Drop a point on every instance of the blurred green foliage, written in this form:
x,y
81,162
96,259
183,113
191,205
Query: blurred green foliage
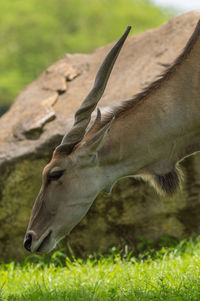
x,y
36,33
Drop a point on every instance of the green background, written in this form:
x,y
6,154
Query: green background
x,y
36,33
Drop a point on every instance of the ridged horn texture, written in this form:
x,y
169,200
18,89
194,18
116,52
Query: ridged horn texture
x,y
97,119
83,115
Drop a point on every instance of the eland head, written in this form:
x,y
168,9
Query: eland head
x,y
70,182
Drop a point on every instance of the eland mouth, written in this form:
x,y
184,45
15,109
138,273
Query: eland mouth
x,y
40,245
44,242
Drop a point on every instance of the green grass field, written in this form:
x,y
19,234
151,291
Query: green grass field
x,y
171,273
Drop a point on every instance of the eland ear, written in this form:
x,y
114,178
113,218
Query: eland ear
x,y
88,151
95,143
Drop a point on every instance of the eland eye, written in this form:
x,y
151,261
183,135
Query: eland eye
x,y
55,175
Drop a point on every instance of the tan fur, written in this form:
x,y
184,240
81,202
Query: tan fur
x,y
148,137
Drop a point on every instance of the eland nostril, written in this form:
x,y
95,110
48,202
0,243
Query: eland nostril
x,y
28,242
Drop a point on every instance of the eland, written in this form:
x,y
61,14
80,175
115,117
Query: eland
x,y
147,136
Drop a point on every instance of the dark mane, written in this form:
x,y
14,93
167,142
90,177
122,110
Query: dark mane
x,y
129,104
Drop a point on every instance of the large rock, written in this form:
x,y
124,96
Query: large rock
x,y
44,111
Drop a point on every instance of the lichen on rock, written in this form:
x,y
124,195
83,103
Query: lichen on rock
x,y
21,186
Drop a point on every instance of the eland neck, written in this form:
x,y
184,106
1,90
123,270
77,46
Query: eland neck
x,y
153,136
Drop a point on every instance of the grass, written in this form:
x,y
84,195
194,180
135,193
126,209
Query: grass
x,y
172,273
